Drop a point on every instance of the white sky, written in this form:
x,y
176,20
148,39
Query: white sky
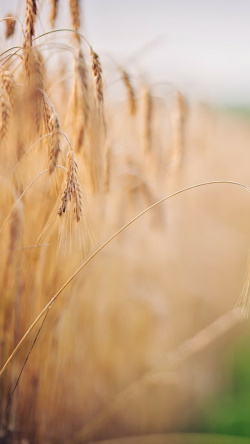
x,y
204,46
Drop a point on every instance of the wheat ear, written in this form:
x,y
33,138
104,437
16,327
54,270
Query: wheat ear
x,y
5,113
31,11
75,16
130,91
53,12
179,123
8,84
147,119
72,190
10,26
97,73
54,145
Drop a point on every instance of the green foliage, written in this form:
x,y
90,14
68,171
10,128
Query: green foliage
x,y
228,412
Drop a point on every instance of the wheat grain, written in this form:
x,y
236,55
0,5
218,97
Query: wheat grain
x,y
10,26
130,91
31,11
97,73
33,68
79,109
54,144
5,113
8,84
72,190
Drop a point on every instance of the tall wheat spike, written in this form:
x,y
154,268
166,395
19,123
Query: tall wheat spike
x,y
75,16
8,84
53,11
179,117
148,110
97,73
54,143
5,113
72,190
130,91
10,26
31,11
78,113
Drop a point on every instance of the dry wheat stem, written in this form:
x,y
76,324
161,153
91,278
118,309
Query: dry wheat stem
x,y
24,192
25,362
13,54
202,339
63,30
53,299
36,143
19,48
27,247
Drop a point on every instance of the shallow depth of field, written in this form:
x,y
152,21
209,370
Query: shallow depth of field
x,y
150,338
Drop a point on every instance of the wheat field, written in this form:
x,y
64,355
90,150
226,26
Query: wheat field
x,y
124,239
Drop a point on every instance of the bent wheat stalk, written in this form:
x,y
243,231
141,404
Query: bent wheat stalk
x,y
36,143
24,192
93,255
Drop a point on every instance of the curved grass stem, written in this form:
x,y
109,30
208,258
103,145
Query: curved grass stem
x,y
96,252
24,192
64,30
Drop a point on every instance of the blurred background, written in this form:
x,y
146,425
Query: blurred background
x,y
202,46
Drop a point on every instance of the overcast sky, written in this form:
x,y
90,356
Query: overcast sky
x,y
202,46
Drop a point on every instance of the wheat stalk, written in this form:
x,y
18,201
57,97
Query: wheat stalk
x,y
97,251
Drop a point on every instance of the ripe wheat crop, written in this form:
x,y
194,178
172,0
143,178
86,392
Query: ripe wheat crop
x,y
123,241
